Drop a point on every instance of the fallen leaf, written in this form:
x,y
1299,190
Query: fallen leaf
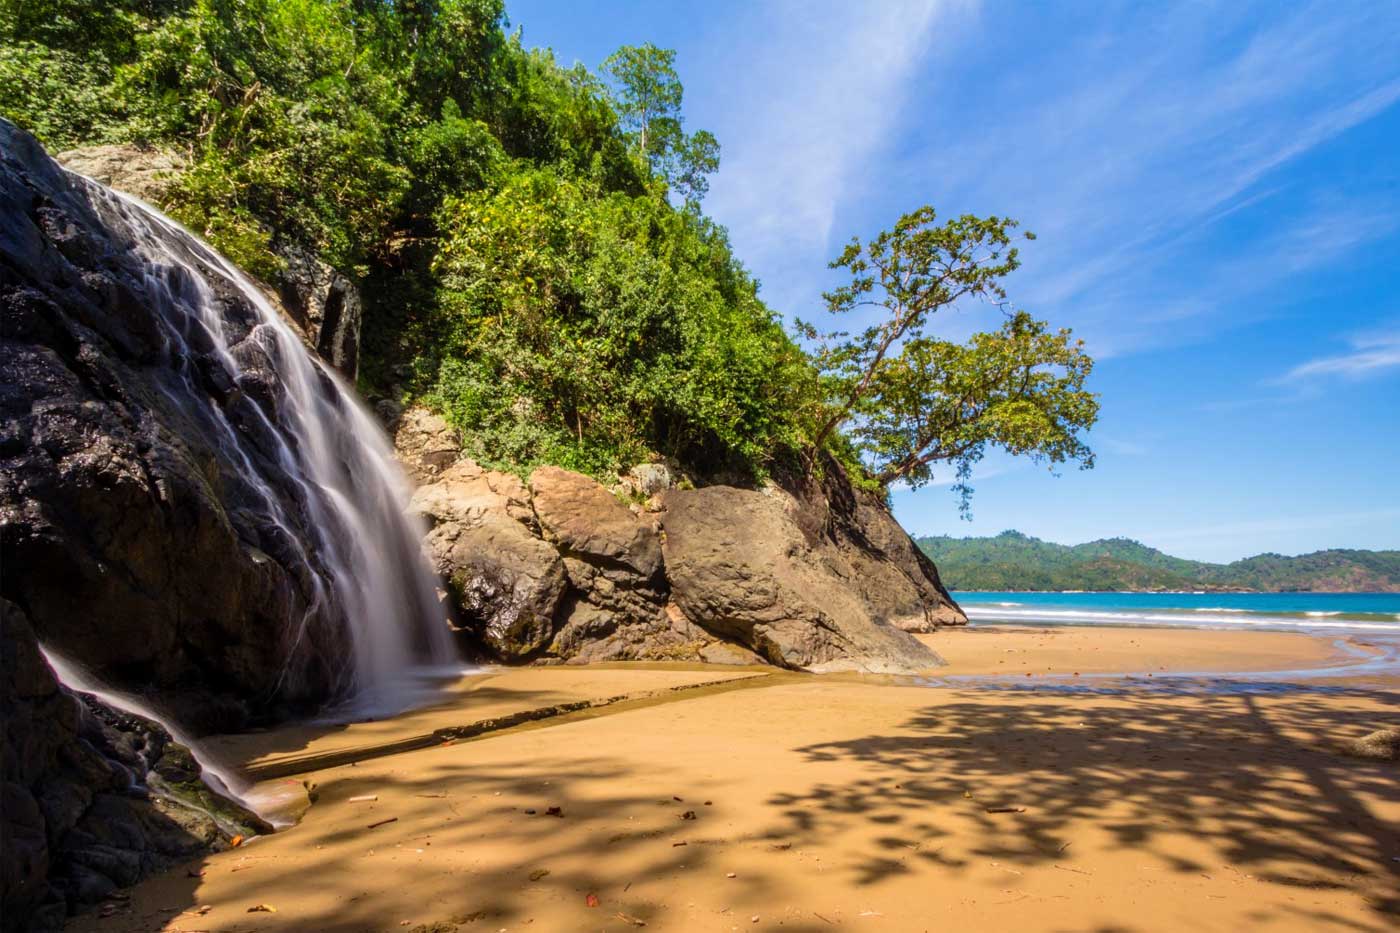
x,y
635,921
236,841
554,811
688,815
262,909
538,873
591,900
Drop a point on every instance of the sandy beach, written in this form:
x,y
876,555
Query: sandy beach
x,y
1024,798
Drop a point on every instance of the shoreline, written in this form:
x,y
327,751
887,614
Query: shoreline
x,y
821,802
955,593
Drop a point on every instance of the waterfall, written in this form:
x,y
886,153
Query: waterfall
x,y
362,563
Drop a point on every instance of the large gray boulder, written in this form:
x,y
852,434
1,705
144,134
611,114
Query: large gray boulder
x,y
741,566
617,609
878,559
584,520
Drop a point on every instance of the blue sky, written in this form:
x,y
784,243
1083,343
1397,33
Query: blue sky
x,y
1216,192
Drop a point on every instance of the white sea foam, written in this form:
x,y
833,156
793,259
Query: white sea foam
x,y
1168,618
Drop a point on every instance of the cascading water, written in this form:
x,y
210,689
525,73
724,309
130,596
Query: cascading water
x,y
364,562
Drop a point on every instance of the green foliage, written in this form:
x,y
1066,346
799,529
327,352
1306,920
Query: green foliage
x,y
511,225
911,400
596,329
1013,561
648,96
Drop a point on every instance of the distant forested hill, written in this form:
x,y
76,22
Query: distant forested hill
x,y
1013,561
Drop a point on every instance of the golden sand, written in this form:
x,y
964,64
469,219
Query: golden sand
x,y
808,803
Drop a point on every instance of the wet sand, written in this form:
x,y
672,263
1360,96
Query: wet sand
x,y
838,802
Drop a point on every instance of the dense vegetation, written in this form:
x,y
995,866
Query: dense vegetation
x,y
1013,561
529,237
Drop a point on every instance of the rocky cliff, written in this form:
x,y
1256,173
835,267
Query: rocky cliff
x,y
815,575
93,799
320,300
193,511
172,477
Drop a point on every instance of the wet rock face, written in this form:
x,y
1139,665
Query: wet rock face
x,y
325,305
320,300
821,578
130,529
93,799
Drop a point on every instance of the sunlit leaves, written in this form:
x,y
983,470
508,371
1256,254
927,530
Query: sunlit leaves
x,y
908,400
648,95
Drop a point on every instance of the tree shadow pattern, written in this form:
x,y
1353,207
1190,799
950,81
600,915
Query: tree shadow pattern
x,y
1258,780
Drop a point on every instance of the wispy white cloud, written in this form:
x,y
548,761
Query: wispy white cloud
x,y
1370,355
815,89
997,464
1134,143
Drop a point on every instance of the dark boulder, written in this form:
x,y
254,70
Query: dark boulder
x,y
507,583
324,304
134,531
94,798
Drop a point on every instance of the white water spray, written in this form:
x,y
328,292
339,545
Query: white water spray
x,y
218,776
365,553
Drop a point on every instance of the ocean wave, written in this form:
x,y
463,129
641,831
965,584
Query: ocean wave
x,y
1322,613
1167,618
1221,609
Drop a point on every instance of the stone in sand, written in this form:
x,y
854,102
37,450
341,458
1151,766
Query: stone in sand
x,y
1381,745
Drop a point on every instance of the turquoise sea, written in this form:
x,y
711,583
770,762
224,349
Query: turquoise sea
x,y
1321,612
